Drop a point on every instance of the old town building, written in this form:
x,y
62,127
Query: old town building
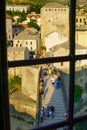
x,y
54,17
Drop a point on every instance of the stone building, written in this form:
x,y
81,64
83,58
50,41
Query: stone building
x,y
29,38
81,35
9,29
54,38
54,17
81,18
17,7
63,50
16,53
34,16
25,100
16,29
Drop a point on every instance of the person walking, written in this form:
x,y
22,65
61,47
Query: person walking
x,y
53,81
41,116
65,118
52,110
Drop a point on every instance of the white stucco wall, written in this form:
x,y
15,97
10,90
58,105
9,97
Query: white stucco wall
x,y
9,28
53,39
25,43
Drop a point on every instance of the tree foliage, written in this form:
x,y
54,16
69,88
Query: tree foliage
x,y
13,13
33,24
77,93
14,82
22,17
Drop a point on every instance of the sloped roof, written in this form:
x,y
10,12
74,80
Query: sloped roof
x,y
33,15
82,28
8,16
54,5
14,49
27,34
24,25
66,46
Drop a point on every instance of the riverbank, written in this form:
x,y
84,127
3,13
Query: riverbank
x,y
20,121
22,103
22,111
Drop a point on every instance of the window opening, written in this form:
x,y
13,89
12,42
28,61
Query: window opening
x,y
4,112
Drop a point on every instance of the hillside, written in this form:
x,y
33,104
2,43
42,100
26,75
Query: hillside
x,y
41,2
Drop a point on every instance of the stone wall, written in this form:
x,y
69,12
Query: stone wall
x,y
26,100
30,76
54,19
80,79
22,106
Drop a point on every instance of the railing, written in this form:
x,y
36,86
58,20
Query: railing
x,y
64,92
39,101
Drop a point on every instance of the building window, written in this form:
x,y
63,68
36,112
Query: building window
x,y
80,20
9,37
76,20
30,43
61,63
18,41
30,48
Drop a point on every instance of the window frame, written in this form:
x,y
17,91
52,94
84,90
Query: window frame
x,y
4,66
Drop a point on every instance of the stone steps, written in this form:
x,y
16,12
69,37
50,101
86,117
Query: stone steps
x,y
53,97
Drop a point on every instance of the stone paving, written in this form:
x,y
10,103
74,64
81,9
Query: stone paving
x,y
53,97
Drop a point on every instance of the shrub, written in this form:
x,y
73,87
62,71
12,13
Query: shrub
x,y
14,82
77,93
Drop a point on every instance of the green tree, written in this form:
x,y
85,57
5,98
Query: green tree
x,y
33,24
77,93
14,82
22,17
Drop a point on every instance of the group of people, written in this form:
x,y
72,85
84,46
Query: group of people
x,y
50,70
48,112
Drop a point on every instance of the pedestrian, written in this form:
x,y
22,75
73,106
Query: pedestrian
x,y
48,108
44,112
53,81
50,113
52,110
41,116
65,118
44,94
42,81
40,88
49,71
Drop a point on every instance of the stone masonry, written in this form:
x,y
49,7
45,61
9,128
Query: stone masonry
x,y
55,17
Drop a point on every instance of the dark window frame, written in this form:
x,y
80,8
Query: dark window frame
x,y
4,65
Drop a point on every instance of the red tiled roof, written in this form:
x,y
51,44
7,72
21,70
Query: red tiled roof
x,y
33,15
24,25
8,16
